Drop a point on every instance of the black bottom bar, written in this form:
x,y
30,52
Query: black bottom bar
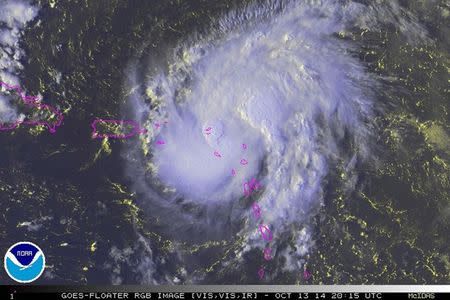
x,y
49,293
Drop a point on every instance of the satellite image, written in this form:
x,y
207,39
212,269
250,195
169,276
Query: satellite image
x,y
176,142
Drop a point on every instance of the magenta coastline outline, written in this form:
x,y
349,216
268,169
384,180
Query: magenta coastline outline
x,y
136,129
34,102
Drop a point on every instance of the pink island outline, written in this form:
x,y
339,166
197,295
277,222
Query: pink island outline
x,y
136,129
34,102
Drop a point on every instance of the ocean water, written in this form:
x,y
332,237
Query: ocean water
x,y
335,108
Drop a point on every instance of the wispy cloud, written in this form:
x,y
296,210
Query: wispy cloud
x,y
279,81
14,16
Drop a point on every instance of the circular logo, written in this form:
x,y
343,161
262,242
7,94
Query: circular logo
x,y
24,262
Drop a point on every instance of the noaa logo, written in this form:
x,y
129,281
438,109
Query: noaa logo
x,y
24,262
